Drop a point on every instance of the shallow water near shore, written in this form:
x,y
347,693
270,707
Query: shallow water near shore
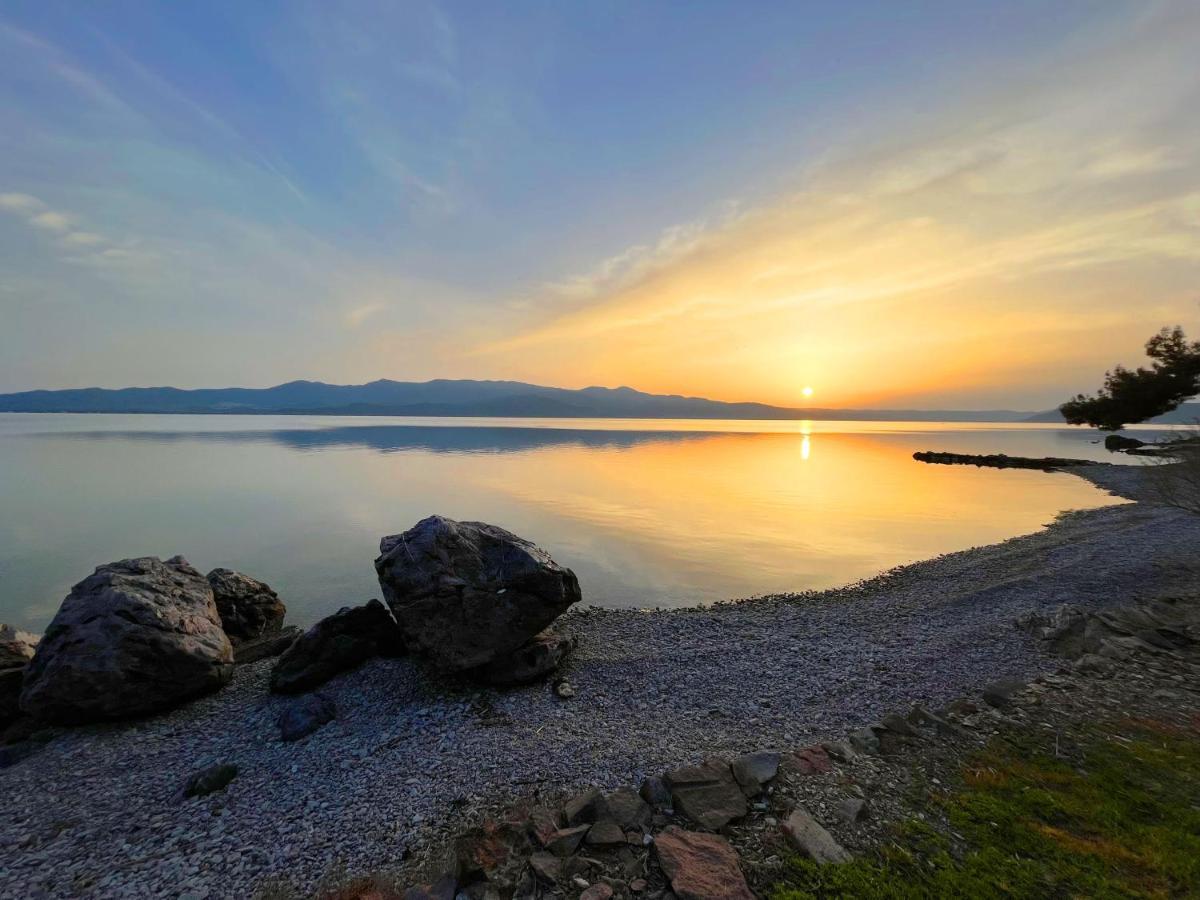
x,y
647,512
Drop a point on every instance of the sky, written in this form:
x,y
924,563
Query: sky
x,y
909,205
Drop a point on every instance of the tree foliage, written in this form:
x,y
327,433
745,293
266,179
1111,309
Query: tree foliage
x,y
1142,393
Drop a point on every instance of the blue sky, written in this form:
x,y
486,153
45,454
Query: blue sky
x,y
245,193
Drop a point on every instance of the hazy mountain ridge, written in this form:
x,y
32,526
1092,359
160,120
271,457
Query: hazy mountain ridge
x,y
443,397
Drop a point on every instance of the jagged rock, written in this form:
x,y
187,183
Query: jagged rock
x,y
566,841
655,792
605,834
266,646
16,647
754,770
839,750
534,659
206,781
137,636
919,715
445,888
628,810
899,725
248,608
339,642
466,593
546,866
1000,693
1092,664
865,740
811,839
305,715
585,807
708,794
1116,442
495,852
700,866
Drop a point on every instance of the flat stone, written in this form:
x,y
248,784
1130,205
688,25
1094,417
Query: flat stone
x,y
754,770
546,866
628,809
852,809
605,834
700,866
566,841
598,891
807,836
708,794
1000,693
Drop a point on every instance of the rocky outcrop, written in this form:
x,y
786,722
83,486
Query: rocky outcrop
x,y
533,660
700,866
1151,626
1002,460
248,608
467,593
135,637
339,642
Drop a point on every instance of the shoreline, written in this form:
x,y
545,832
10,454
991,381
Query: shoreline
x,y
410,758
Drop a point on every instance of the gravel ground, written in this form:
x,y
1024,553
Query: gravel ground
x,y
97,812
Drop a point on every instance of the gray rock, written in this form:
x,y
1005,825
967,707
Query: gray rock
x,y
206,781
605,834
546,866
534,659
137,636
16,647
339,642
754,770
811,839
1093,664
466,593
852,809
1000,693
865,740
566,841
585,807
839,750
708,794
248,608
305,715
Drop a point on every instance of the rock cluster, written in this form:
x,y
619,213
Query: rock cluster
x,y
136,637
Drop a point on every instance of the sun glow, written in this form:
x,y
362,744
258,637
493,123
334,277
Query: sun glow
x,y
807,391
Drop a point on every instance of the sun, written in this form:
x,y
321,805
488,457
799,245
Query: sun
x,y
807,391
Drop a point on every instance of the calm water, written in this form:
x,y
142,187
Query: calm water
x,y
647,513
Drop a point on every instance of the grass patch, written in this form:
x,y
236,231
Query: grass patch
x,y
1120,819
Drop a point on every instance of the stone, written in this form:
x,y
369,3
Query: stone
x,y
1093,664
16,647
961,708
137,636
839,750
248,608
700,866
566,841
628,810
546,866
708,794
999,694
305,715
599,891
807,836
533,660
445,888
865,740
638,885
585,807
335,644
655,792
265,647
899,725
852,809
807,761
495,852
754,770
919,715
467,593
564,691
605,834
206,781
1115,442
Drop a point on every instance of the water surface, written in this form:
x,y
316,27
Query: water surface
x,y
647,512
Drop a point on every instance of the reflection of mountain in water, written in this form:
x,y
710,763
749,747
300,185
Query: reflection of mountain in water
x,y
395,438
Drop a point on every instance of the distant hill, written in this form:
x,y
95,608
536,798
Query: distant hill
x,y
451,398
1187,414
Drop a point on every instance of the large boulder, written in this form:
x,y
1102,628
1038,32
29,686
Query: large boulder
x,y
135,637
534,659
467,593
339,642
248,608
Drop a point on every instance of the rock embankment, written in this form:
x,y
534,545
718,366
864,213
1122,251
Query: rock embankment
x,y
1003,461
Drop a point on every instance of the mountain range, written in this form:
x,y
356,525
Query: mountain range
x,y
443,397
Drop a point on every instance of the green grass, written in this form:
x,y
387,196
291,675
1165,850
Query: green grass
x,y
1121,819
